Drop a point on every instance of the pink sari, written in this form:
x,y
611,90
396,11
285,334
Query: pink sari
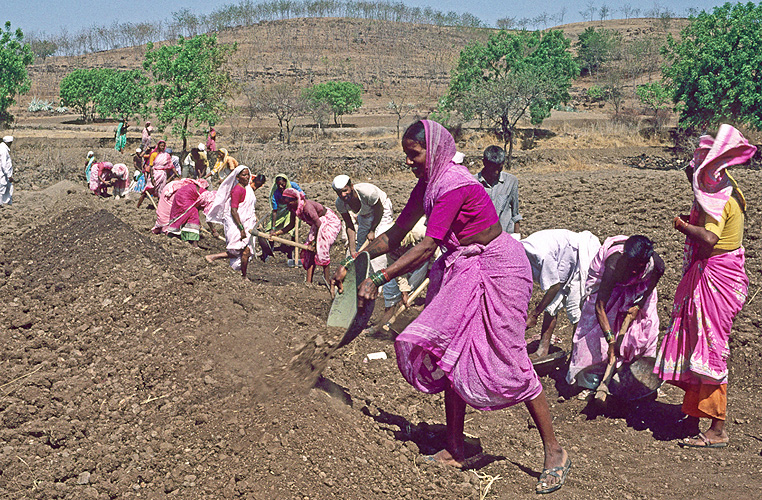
x,y
590,346
161,164
470,336
95,182
164,207
711,292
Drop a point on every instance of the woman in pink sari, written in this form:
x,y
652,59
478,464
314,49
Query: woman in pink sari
x,y
324,224
621,282
189,200
101,178
469,340
163,168
121,180
695,349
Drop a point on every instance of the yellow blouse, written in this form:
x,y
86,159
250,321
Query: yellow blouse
x,y
729,229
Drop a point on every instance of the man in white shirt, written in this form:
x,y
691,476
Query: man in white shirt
x,y
370,205
560,261
6,171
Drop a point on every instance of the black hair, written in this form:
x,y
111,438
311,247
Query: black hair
x,y
260,179
416,132
280,177
494,155
638,248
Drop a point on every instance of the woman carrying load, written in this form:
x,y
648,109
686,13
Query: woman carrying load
x,y
713,289
469,339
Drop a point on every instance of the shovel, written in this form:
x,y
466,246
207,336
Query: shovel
x,y
387,327
257,234
344,311
603,388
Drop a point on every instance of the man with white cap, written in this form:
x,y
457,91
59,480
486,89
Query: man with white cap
x,y
196,163
560,261
370,205
6,171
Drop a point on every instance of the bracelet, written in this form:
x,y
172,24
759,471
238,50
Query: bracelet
x,y
240,227
378,278
347,261
386,275
609,335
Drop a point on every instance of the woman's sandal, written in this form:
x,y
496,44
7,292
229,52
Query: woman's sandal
x,y
705,443
559,473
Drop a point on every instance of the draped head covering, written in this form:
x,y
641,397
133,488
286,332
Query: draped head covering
x,y
121,171
275,183
207,200
296,195
221,204
442,174
712,184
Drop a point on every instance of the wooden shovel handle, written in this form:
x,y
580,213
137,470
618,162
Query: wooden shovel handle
x,y
418,291
267,236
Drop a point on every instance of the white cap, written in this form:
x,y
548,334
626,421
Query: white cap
x,y
8,139
458,158
138,150
90,153
340,182
201,146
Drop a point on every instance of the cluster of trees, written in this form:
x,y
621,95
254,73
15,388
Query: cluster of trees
x,y
184,23
286,102
512,76
189,83
15,56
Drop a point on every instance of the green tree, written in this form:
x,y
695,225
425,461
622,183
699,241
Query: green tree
x,y
123,94
595,48
80,90
714,68
191,81
342,97
511,76
15,56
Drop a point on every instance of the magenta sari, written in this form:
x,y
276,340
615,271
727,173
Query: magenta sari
x,y
470,336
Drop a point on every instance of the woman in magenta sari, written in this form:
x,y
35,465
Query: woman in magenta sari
x,y
469,340
164,206
621,281
324,224
189,200
101,178
695,349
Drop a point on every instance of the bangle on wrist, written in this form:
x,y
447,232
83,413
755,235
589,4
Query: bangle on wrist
x,y
386,275
347,261
378,279
609,335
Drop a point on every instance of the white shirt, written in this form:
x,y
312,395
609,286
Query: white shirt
x,y
552,254
369,195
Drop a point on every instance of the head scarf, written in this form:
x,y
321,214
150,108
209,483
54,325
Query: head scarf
x,y
221,204
442,174
296,195
90,153
712,184
121,171
275,184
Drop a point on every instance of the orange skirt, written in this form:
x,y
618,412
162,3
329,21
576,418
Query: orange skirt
x,y
706,401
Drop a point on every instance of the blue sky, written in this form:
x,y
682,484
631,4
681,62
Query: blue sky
x,y
52,16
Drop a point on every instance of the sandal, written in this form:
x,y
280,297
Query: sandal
x,y
705,443
559,473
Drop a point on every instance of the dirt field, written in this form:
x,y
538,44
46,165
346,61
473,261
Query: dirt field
x,y
131,368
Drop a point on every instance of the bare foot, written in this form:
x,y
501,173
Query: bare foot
x,y
444,457
209,258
